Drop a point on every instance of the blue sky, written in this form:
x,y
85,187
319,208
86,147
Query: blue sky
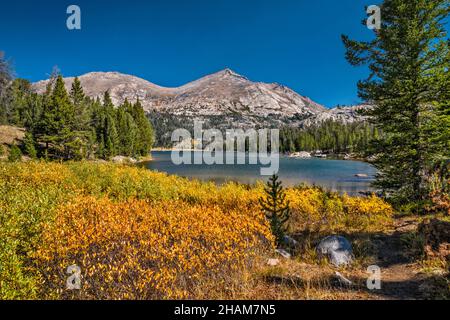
x,y
170,42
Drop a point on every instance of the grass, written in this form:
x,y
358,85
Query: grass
x,y
138,234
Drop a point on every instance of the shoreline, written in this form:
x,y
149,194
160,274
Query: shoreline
x,y
342,157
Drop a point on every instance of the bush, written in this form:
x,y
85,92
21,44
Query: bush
x,y
138,250
14,154
141,234
314,210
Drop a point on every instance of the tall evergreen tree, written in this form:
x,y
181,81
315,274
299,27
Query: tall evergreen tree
x,y
107,135
409,81
29,145
80,103
127,130
96,125
110,137
33,111
56,127
145,138
82,115
76,93
108,104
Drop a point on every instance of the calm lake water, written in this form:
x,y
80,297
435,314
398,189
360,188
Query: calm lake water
x,y
336,175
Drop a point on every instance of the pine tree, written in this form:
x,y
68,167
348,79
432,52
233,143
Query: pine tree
x,y
14,154
96,125
103,128
144,140
409,80
111,137
276,208
33,111
29,145
127,130
79,101
76,93
80,143
107,103
56,127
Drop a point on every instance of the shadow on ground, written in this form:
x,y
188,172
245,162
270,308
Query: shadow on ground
x,y
395,252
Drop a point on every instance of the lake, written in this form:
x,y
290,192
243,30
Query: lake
x,y
336,175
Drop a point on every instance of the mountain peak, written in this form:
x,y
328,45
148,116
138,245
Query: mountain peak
x,y
230,73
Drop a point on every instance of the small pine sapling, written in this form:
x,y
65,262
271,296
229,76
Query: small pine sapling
x,y
276,208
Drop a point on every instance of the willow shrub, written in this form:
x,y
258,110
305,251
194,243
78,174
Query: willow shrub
x,y
137,250
313,209
141,234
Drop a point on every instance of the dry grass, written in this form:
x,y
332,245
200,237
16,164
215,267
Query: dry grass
x,y
10,135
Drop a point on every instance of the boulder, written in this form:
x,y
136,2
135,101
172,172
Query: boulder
x,y
273,262
290,242
123,159
300,155
337,249
283,253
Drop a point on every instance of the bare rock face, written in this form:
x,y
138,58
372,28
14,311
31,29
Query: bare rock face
x,y
10,135
120,87
347,114
229,98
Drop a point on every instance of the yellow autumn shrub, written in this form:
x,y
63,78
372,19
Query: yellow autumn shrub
x,y
367,214
314,210
141,234
139,250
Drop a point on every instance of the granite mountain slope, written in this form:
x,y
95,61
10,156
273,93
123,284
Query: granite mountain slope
x,y
223,99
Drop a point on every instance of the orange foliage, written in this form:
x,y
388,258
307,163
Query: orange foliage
x,y
139,250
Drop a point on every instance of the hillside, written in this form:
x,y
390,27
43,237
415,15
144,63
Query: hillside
x,y
10,135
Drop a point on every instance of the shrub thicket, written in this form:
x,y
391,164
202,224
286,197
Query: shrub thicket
x,y
140,234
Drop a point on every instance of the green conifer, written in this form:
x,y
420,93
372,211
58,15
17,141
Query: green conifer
x,y
276,208
29,145
409,80
15,154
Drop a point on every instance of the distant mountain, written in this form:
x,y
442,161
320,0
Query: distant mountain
x,y
222,99
344,114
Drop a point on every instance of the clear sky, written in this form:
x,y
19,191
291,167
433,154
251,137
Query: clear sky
x,y
170,42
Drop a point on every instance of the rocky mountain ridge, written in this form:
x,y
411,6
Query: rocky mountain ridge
x,y
224,98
